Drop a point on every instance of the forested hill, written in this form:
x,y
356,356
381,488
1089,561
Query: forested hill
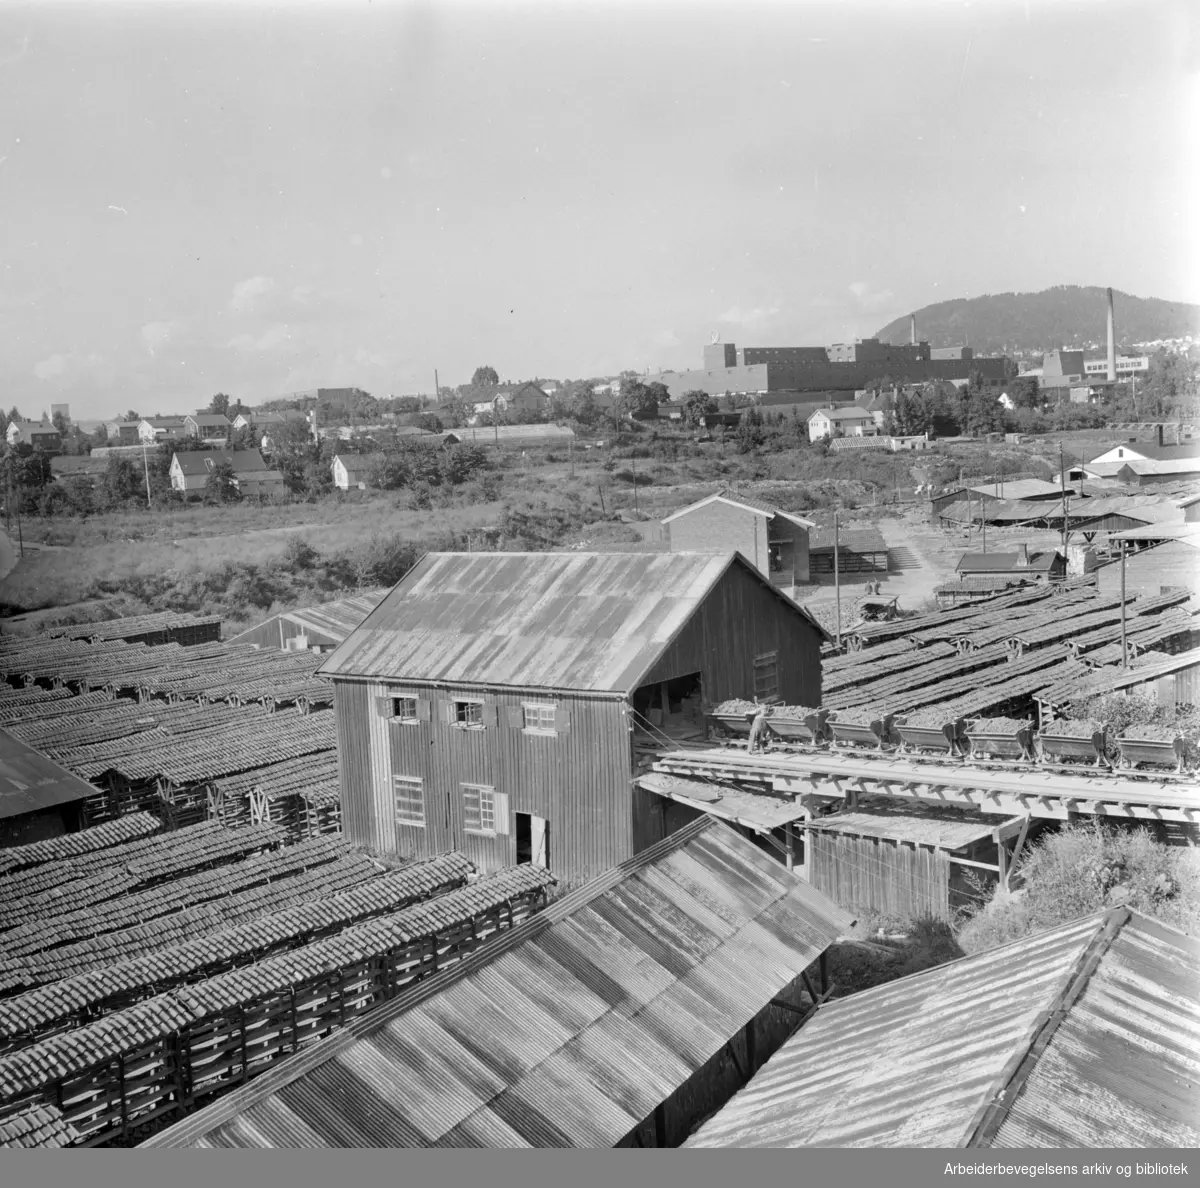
x,y
1065,316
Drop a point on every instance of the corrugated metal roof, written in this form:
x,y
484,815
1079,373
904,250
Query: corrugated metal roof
x,y
565,1032
582,621
758,506
1021,489
332,621
1006,563
29,781
942,1057
759,811
854,540
946,828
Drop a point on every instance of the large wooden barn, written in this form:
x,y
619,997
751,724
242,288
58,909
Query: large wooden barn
x,y
489,703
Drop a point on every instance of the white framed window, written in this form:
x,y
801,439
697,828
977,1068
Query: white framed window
x,y
404,708
468,713
409,796
484,810
539,716
766,676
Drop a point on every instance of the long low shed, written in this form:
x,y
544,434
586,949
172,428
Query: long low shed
x,y
615,1017
1081,1036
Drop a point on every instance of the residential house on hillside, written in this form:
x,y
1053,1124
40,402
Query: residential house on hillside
x,y
208,426
849,421
775,542
1048,565
350,470
524,399
40,434
489,703
122,432
190,471
158,429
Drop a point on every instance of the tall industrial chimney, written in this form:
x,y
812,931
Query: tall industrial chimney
x,y
1112,342
912,329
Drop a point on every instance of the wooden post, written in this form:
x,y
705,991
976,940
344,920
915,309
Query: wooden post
x,y
751,1053
837,583
790,841
660,1125
1124,644
824,972
805,870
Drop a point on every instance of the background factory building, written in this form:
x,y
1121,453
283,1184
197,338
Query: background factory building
x,y
489,703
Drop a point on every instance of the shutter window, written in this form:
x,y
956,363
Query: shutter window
x,y
516,717
423,710
383,705
447,713
562,720
500,813
487,714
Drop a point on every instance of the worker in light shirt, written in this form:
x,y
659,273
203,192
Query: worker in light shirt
x,y
758,727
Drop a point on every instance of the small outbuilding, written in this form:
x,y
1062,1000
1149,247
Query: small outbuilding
x,y
1048,565
190,471
775,542
312,628
859,550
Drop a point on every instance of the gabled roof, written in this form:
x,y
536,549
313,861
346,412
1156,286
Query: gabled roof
x,y
593,622
209,419
1006,562
566,1031
853,540
749,503
849,413
193,462
162,422
1081,1036
34,426
1153,451
1021,489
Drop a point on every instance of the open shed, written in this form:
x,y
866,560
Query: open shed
x,y
615,1017
1080,1036
860,550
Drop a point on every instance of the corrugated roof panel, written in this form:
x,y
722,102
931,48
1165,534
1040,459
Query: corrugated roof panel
x,y
586,621
866,1066
1123,1069
578,1073
29,781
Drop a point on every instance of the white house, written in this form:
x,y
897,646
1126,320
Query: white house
x,y
190,470
210,426
350,470
850,421
153,429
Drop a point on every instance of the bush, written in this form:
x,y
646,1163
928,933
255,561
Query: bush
x,y
298,554
640,479
1082,869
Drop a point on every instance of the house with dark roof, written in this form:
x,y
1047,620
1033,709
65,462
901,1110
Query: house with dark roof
x,y
775,542
40,434
1081,1036
190,471
492,702
158,429
208,426
1048,565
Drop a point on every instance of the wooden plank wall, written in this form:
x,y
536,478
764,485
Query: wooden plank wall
x,y
740,619
578,779
882,876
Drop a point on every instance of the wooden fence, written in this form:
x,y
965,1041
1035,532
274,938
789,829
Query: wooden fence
x,y
893,878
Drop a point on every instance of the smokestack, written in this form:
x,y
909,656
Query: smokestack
x,y
912,329
1112,342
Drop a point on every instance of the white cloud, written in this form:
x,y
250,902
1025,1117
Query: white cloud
x,y
271,338
870,298
51,368
743,317
249,294
158,334
366,358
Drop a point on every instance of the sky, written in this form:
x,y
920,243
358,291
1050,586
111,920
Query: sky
x,y
260,199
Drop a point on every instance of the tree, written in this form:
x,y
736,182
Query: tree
x,y
1025,392
485,377
61,423
697,404
750,432
220,486
430,423
14,414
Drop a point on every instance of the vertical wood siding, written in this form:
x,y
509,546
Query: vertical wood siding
x,y
737,621
882,876
577,779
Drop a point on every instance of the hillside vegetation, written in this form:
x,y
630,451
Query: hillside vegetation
x,y
1065,316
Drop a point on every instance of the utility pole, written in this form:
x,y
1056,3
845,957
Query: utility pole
x,y
837,580
1124,652
146,473
437,389
1062,470
571,452
633,459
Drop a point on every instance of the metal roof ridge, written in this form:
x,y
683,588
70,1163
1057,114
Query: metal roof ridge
x,y
1010,1081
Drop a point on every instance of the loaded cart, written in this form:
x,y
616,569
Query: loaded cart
x,y
730,720
1080,739
1161,746
797,724
930,730
859,727
1000,738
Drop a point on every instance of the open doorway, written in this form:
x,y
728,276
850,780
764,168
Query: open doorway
x,y
669,709
533,840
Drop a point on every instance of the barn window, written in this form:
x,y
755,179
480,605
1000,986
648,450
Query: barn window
x,y
766,676
538,715
484,810
404,708
410,800
468,713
